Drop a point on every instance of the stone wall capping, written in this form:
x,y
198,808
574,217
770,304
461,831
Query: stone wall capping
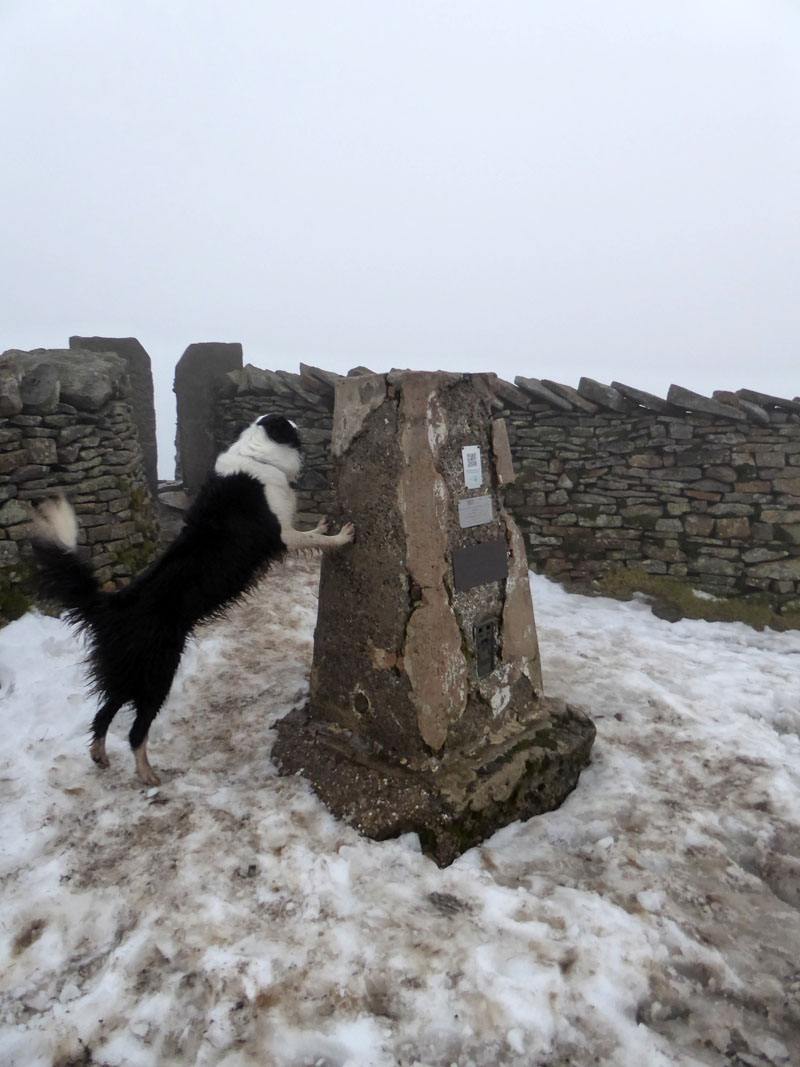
x,y
753,411
690,401
765,400
10,397
645,400
539,391
87,381
605,396
572,395
308,389
484,385
510,394
314,377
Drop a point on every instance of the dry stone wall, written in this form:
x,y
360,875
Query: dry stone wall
x,y
705,489
68,425
702,489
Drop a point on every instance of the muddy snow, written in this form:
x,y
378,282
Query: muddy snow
x,y
226,918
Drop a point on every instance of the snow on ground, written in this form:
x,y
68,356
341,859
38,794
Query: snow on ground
x,y
227,919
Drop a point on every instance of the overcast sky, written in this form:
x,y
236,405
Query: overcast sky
x,y
549,189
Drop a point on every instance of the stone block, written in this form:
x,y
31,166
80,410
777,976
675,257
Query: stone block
x,y
12,461
779,570
698,525
763,555
41,450
15,511
40,389
789,486
536,389
714,565
571,395
725,508
721,473
645,459
685,398
604,396
680,431
9,553
770,459
645,400
738,528
765,400
10,398
780,514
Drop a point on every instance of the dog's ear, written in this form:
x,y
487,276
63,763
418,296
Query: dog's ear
x,y
280,430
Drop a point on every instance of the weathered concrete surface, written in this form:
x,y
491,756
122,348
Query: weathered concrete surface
x,y
400,732
525,776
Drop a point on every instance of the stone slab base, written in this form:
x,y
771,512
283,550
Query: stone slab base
x,y
451,809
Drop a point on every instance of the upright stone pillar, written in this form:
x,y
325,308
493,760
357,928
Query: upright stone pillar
x,y
195,376
426,710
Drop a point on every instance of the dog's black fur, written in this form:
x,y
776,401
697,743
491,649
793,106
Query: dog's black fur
x,y
137,635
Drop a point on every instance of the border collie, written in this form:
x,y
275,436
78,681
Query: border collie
x,y
241,520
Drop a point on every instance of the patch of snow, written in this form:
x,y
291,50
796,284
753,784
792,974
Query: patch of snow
x,y
226,918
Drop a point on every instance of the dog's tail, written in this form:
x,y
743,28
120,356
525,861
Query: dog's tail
x,y
63,576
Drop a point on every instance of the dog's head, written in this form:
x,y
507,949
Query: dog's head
x,y
271,440
280,430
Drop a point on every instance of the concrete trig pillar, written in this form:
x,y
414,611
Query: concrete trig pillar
x,y
426,710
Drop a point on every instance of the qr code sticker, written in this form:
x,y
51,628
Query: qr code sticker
x,y
472,459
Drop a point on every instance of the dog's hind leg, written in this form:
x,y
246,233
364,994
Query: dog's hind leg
x,y
138,739
100,725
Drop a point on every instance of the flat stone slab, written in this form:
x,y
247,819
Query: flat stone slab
x,y
644,399
533,387
753,411
604,395
766,400
572,395
530,772
685,398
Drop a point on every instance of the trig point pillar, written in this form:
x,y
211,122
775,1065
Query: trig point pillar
x,y
426,710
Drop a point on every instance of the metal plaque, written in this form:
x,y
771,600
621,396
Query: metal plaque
x,y
475,511
484,647
479,564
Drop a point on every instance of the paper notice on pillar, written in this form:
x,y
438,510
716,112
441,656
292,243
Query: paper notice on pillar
x,y
475,511
473,474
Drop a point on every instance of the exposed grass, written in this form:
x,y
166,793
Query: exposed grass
x,y
17,586
675,598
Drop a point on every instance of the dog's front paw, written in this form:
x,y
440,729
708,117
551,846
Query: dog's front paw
x,y
321,526
347,533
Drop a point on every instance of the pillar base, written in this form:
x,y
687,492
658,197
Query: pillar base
x,y
451,808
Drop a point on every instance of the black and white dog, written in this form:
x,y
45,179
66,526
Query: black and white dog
x,y
241,520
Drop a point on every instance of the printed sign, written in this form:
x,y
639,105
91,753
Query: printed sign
x,y
473,474
474,511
